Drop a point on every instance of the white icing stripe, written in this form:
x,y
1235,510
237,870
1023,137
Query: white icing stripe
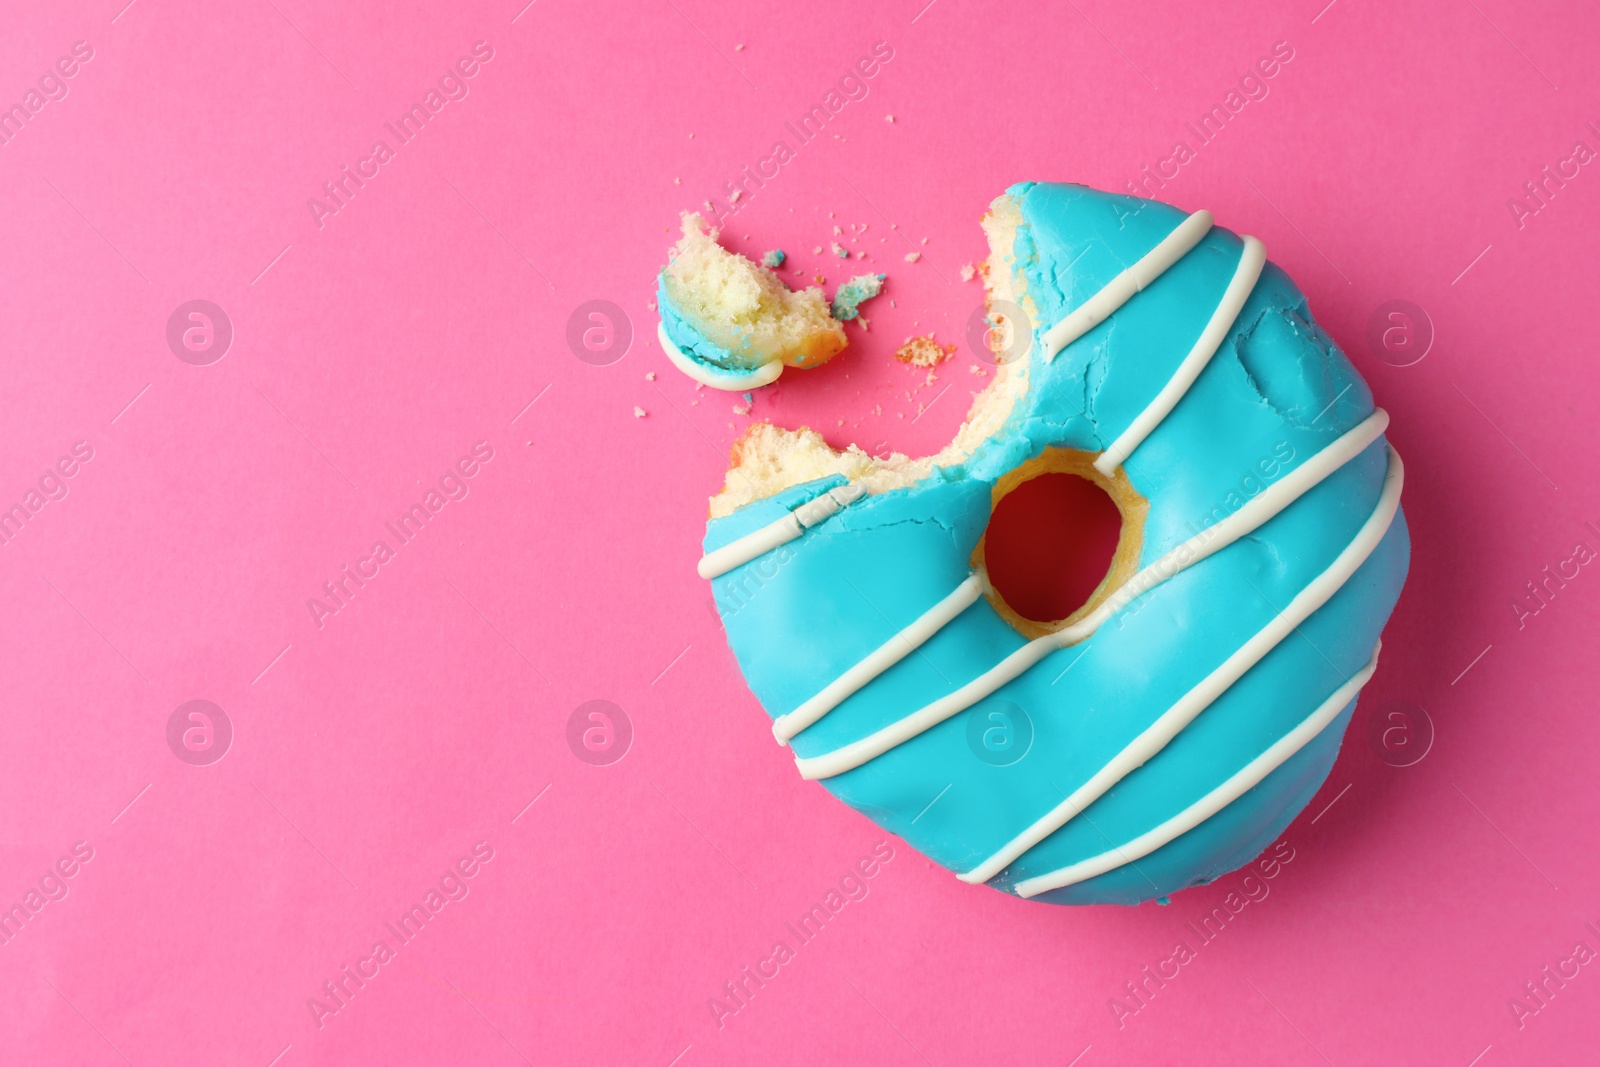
x,y
1099,307
1156,736
1251,261
1247,778
730,381
848,757
1252,516
885,656
738,552
1208,541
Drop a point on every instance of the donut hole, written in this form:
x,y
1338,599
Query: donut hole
x,y
1050,545
1061,538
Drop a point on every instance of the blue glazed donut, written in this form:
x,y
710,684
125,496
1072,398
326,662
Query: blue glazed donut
x,y
1170,729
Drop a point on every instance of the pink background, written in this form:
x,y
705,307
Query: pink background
x,y
369,354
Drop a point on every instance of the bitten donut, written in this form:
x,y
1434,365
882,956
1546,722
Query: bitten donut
x,y
1171,727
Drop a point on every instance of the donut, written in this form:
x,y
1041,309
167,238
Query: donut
x,y
1170,728
732,324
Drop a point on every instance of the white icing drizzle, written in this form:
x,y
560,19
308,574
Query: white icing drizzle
x,y
1099,307
885,656
1212,539
1156,736
1241,782
1251,261
742,550
727,380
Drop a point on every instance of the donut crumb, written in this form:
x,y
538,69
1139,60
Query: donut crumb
x,y
923,351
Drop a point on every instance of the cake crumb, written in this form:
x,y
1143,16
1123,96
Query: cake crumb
x,y
923,351
773,259
817,250
912,257
839,250
650,376
852,294
733,197
738,48
741,409
888,118
967,271
639,412
677,181
837,232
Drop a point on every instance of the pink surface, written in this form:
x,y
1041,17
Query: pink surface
x,y
374,748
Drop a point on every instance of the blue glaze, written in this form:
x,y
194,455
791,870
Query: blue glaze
x,y
718,362
1278,391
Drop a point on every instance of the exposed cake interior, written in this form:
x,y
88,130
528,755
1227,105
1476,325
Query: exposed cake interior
x,y
768,459
741,308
